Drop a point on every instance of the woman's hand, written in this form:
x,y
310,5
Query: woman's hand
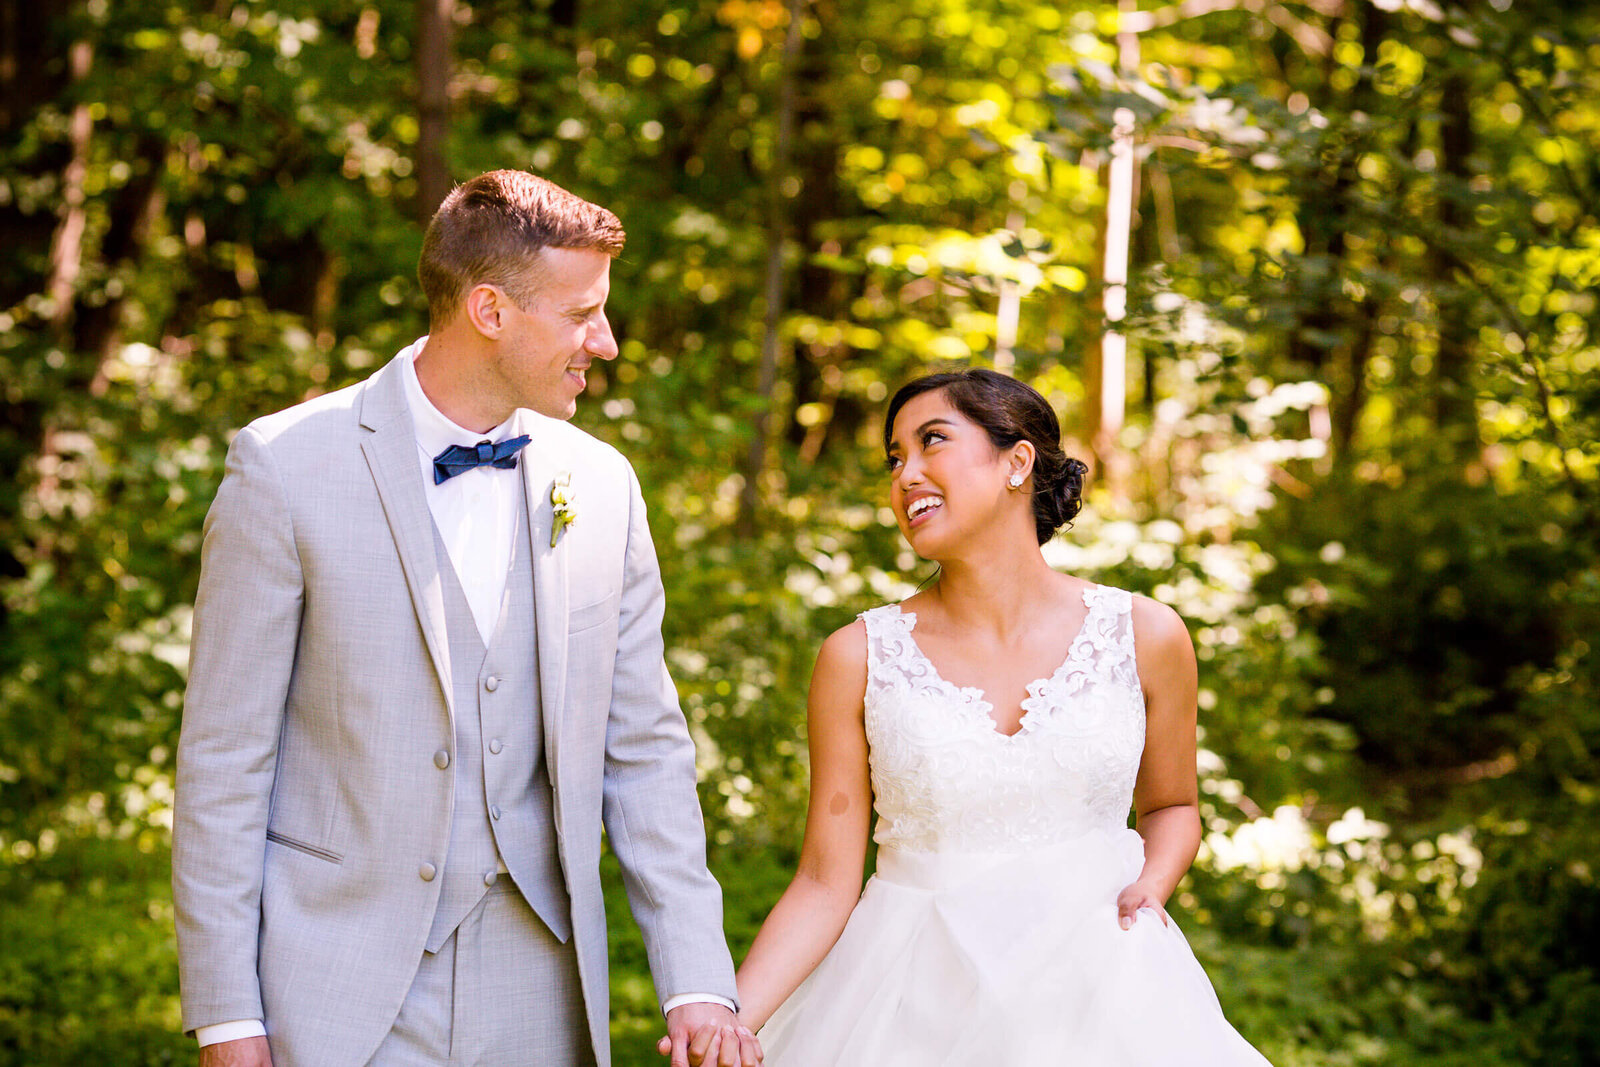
x,y
715,1045
1136,896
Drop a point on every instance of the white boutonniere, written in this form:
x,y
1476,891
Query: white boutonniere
x,y
565,504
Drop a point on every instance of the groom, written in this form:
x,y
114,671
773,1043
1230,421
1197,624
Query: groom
x,y
427,667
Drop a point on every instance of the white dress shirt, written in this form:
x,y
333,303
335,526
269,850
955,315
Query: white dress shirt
x,y
475,513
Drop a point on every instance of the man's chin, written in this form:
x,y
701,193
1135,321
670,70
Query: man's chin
x,y
559,404
559,412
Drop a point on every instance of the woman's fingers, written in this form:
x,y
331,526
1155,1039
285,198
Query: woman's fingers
x,y
749,1048
1128,909
731,1052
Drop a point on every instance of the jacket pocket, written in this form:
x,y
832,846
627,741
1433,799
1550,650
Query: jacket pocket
x,y
591,615
301,846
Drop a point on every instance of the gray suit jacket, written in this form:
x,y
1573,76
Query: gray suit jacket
x,y
319,691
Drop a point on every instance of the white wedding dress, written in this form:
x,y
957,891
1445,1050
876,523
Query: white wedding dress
x,y
989,933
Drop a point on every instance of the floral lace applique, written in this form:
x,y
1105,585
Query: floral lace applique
x,y
945,778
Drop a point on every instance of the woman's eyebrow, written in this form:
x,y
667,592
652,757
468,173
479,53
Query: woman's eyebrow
x,y
894,445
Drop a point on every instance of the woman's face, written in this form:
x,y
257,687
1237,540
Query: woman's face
x,y
947,481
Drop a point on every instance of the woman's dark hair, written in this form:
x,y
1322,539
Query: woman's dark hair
x,y
1009,411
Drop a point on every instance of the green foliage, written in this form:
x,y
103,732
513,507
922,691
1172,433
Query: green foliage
x,y
1429,600
89,974
1360,454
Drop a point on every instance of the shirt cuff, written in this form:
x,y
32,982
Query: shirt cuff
x,y
697,998
237,1030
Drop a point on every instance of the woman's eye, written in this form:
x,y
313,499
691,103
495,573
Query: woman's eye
x,y
892,463
930,437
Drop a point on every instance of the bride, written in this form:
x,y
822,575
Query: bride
x,y
1002,723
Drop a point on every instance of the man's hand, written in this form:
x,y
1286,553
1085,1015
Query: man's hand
x,y
246,1052
708,1035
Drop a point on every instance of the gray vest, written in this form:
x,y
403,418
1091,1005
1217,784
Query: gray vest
x,y
504,813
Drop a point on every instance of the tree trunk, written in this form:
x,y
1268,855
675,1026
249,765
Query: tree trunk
x,y
564,13
434,19
1329,338
28,74
1109,392
1107,389
1008,307
778,207
1455,414
66,248
97,329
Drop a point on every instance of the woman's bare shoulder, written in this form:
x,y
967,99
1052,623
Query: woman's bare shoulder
x,y
1161,638
841,668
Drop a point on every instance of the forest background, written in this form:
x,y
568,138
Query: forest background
x,y
1311,283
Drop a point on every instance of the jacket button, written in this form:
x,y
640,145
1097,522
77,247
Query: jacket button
x,y
494,811
427,871
495,746
491,683
488,879
441,759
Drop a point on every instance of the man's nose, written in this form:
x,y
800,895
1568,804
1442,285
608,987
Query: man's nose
x,y
601,343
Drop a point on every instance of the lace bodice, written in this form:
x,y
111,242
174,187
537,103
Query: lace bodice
x,y
945,779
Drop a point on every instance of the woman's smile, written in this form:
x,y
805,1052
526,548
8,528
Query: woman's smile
x,y
920,507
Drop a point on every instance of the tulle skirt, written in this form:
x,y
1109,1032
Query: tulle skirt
x,y
1017,959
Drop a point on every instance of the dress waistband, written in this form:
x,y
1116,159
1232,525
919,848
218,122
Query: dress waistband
x,y
947,869
935,870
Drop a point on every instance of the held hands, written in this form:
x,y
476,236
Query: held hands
x,y
708,1035
246,1052
1134,898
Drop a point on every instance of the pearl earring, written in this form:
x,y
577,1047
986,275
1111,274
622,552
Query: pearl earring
x,y
1016,481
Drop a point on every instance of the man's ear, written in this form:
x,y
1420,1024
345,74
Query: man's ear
x,y
485,307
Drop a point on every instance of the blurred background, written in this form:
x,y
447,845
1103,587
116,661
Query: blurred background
x,y
1312,285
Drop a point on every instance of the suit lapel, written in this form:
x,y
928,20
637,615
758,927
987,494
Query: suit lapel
x,y
391,453
540,469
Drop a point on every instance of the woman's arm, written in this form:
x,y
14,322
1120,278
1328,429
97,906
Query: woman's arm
x,y
1165,794
812,912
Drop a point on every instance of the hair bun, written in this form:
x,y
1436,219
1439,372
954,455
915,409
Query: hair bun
x,y
1073,475
1060,492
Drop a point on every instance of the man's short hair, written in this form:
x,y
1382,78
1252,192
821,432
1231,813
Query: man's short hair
x,y
492,230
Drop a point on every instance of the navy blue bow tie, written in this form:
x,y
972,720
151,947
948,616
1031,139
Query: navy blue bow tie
x,y
460,458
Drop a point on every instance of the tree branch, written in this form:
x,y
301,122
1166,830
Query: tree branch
x,y
1312,39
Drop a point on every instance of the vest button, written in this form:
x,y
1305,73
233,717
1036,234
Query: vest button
x,y
427,871
441,759
495,746
494,811
489,878
491,683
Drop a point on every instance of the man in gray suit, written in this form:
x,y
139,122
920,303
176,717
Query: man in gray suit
x,y
427,667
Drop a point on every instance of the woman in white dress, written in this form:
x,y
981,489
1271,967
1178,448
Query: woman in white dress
x,y
1002,723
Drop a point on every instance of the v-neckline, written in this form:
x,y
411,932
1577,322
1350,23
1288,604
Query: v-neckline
x,y
976,699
